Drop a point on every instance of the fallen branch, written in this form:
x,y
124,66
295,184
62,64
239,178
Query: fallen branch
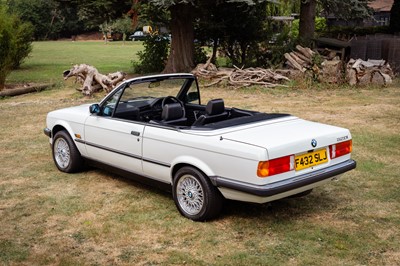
x,y
24,90
92,80
239,76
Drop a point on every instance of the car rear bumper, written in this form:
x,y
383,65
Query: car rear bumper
x,y
285,185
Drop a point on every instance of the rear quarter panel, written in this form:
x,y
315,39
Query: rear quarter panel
x,y
211,154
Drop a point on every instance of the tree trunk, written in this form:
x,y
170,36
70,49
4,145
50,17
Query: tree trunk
x,y
182,46
134,13
2,82
214,51
307,21
243,50
395,17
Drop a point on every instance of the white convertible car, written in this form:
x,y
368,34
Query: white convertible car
x,y
155,128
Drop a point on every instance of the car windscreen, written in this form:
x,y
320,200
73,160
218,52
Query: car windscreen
x,y
154,89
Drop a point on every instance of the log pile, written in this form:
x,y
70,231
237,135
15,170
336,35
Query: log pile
x,y
92,80
360,72
302,59
331,71
239,77
331,68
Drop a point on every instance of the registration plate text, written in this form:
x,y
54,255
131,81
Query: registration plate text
x,y
310,159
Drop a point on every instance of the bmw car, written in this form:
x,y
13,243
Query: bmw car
x,y
157,129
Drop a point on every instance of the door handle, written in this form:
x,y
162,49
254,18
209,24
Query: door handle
x,y
135,133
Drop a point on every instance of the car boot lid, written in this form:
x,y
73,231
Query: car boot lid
x,y
289,136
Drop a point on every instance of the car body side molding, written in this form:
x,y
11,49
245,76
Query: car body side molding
x,y
123,153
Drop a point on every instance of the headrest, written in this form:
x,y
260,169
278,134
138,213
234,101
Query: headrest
x,y
215,107
172,111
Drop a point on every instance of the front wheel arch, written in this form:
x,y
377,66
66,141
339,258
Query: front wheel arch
x,y
56,129
66,155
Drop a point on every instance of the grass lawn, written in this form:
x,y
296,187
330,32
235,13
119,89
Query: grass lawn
x,y
49,59
97,218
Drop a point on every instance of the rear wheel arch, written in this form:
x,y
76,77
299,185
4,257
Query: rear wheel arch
x,y
191,162
194,194
179,166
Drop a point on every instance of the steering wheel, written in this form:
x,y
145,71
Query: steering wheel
x,y
170,99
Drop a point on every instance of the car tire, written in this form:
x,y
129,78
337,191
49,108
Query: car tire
x,y
66,155
194,195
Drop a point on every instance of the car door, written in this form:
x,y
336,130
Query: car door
x,y
114,141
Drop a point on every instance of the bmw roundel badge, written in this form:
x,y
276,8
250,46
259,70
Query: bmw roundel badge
x,y
314,143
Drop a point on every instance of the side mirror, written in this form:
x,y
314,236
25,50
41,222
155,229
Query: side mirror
x,y
94,109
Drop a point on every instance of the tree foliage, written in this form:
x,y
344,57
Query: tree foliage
x,y
185,14
106,29
46,15
62,18
350,9
320,26
154,56
15,43
154,15
395,17
22,41
243,27
123,25
95,12
239,28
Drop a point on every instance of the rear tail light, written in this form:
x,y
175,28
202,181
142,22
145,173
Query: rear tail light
x,y
275,166
340,149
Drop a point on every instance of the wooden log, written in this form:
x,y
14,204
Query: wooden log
x,y
377,78
307,52
290,65
301,62
388,79
302,57
332,71
365,79
24,90
351,77
294,62
369,72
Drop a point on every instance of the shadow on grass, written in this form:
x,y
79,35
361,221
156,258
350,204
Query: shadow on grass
x,y
284,209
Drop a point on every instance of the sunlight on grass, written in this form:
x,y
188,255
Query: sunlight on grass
x,y
49,59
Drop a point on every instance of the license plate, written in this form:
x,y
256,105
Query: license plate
x,y
310,159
